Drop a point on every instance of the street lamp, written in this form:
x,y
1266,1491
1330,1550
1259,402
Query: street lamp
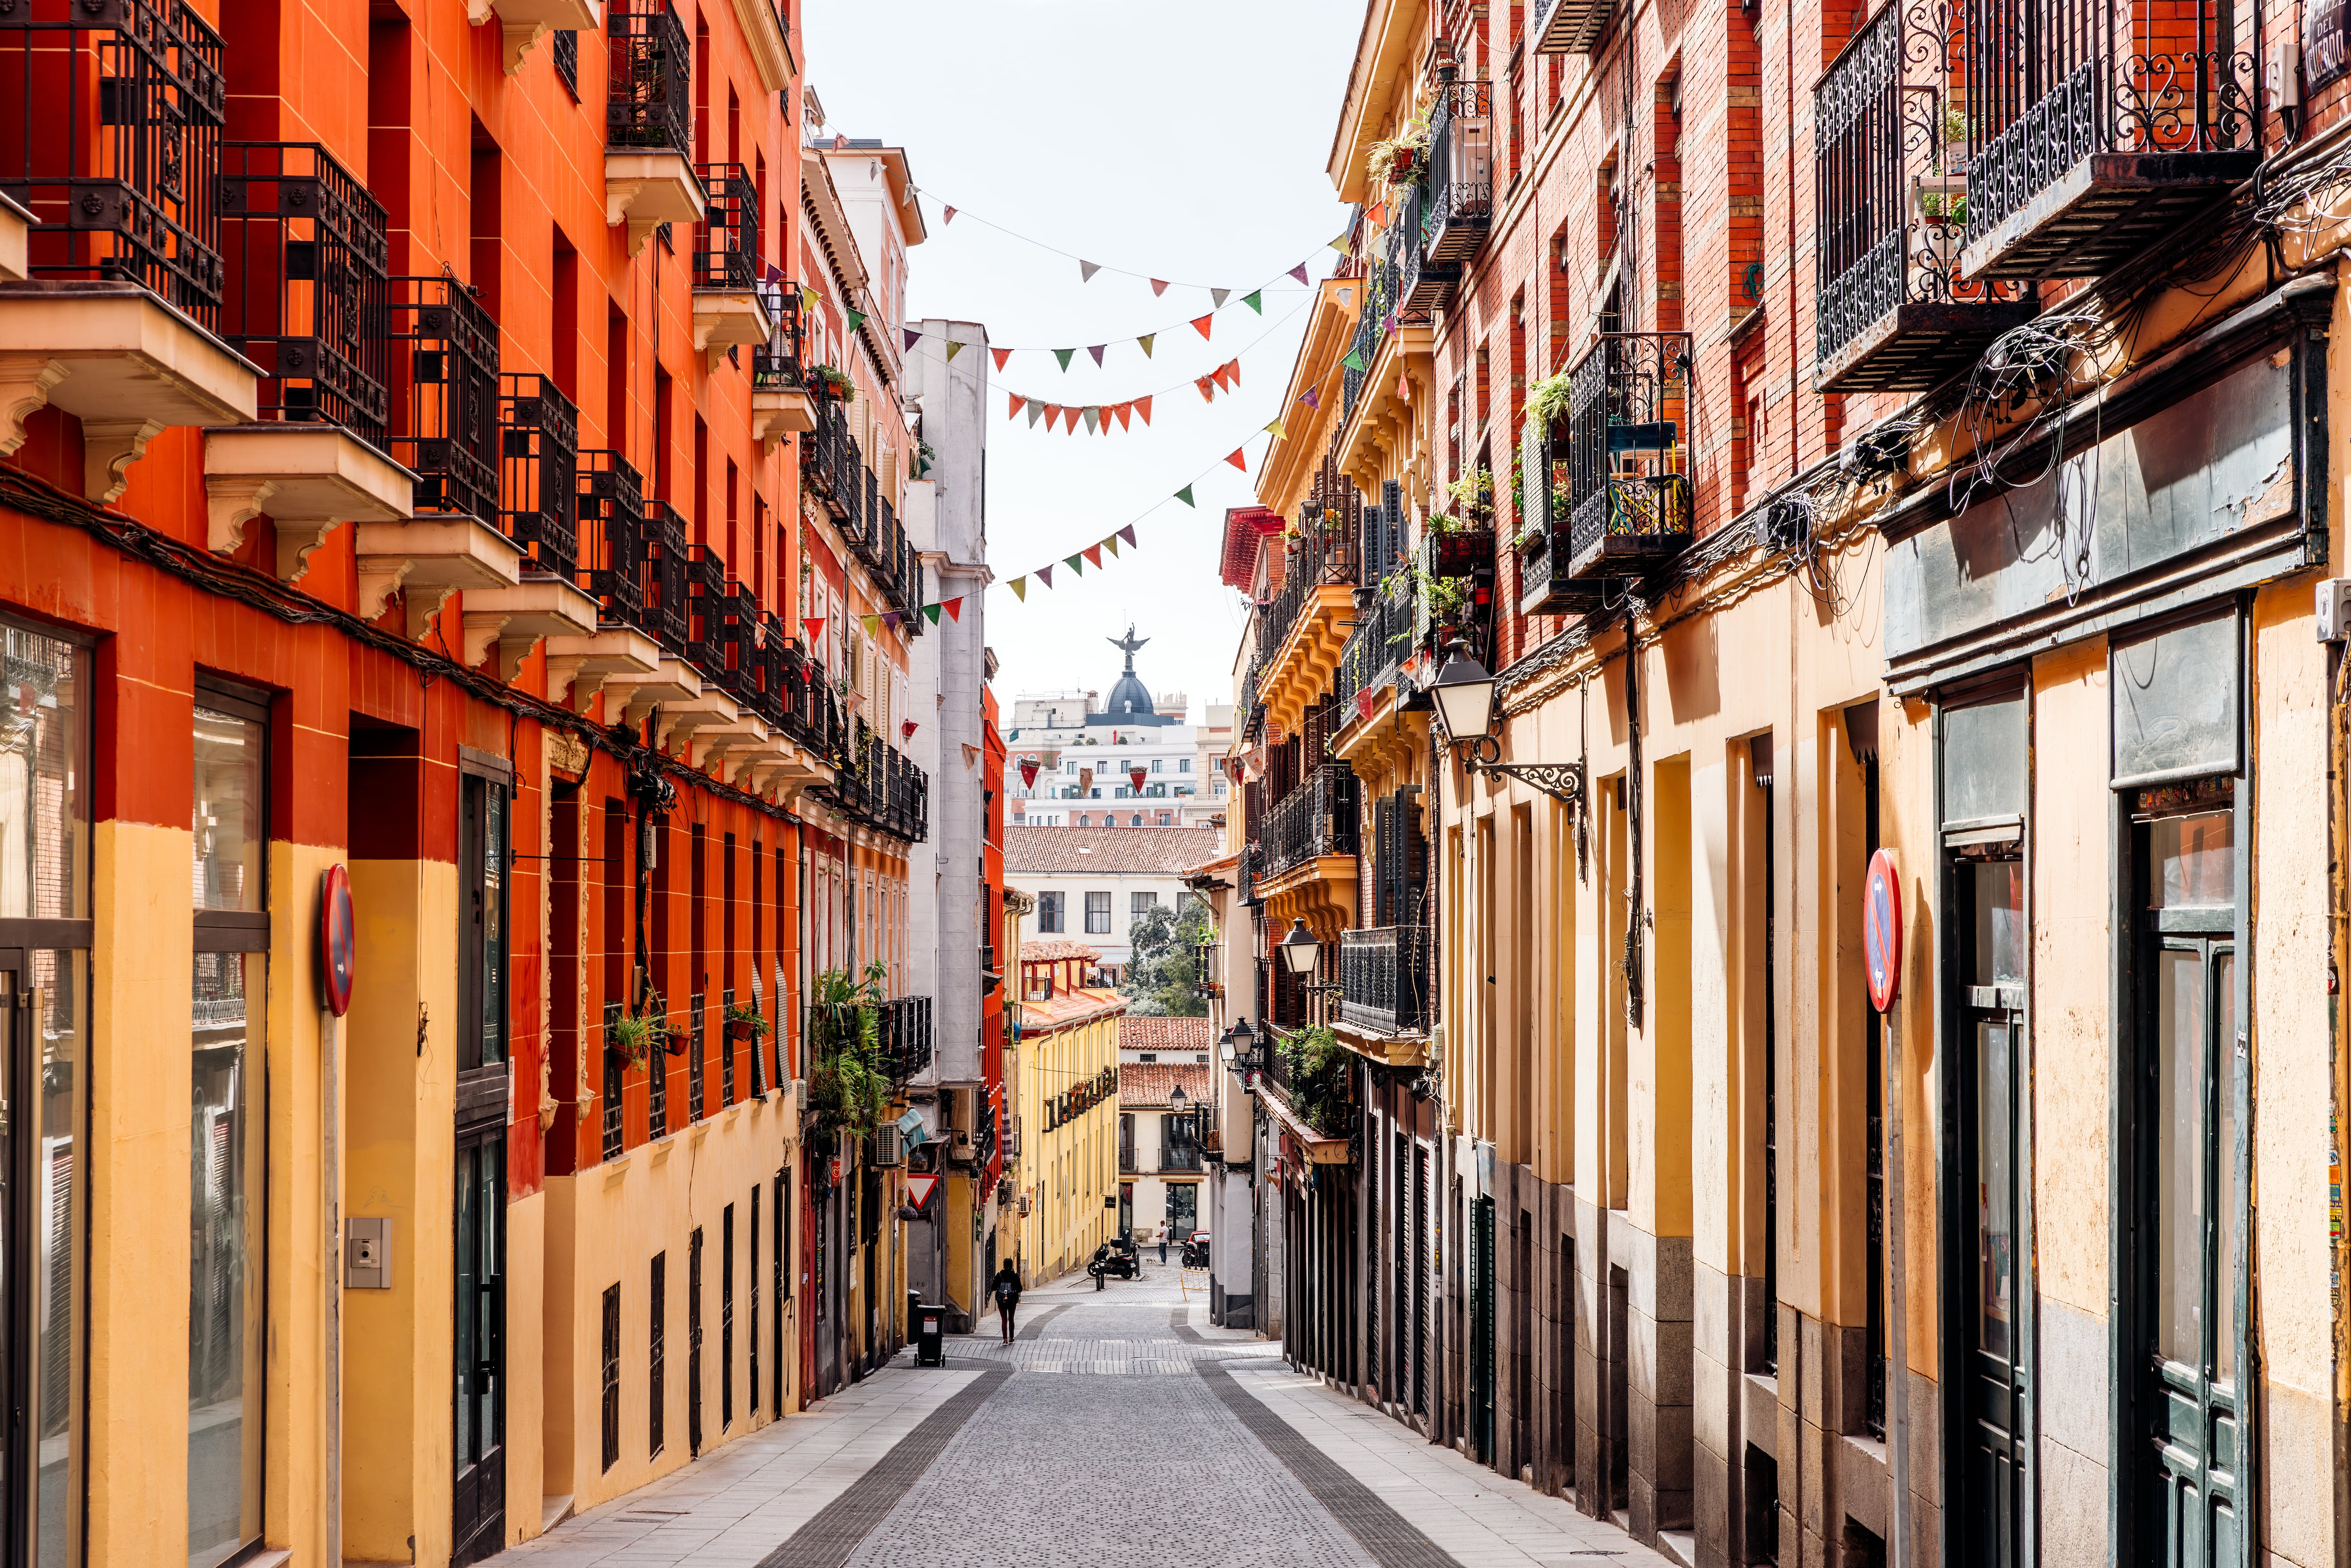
x,y
1176,1100
1463,694
1240,1046
1300,952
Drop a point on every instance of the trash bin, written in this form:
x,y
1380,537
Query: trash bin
x,y
930,1336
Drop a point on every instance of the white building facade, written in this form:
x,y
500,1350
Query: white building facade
x,y
1127,761
1092,884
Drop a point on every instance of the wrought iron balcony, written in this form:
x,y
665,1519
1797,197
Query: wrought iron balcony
x,y
1628,493
1421,284
779,364
1460,208
708,599
665,614
651,106
612,536
1544,586
304,249
727,241
1327,553
1387,629
1571,27
115,144
1315,819
1384,979
1381,285
1178,1158
539,471
445,403
1890,200
2096,127
906,1037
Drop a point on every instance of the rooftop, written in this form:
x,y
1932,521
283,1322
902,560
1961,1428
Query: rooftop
x,y
1166,851
1146,1083
1045,949
1166,1034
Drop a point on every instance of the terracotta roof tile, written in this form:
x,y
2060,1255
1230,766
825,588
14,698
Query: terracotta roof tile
x,y
1166,1034
1167,852
1145,1084
1045,949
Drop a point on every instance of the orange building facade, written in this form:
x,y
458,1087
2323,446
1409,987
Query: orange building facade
x,y
455,442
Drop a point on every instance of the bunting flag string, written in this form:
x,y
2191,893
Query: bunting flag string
x,y
1225,378
1086,268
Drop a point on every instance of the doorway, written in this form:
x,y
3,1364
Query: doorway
x,y
478,1506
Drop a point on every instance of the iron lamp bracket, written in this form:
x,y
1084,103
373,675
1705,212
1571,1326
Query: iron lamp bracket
x,y
1562,781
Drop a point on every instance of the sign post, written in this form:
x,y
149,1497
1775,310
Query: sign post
x,y
1881,943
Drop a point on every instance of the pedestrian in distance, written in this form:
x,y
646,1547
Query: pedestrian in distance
x,y
1163,1244
1006,1289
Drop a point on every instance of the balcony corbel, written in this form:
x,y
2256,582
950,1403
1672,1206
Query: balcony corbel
x,y
306,478
671,680
737,739
584,663
525,22
647,187
120,360
428,558
680,720
728,319
519,618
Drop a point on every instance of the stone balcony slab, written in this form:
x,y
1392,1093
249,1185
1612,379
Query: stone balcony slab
x,y
647,187
427,558
519,618
585,663
306,478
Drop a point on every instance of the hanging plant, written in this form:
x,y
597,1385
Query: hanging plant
x,y
846,1085
1547,400
1318,1080
743,1022
631,1039
831,381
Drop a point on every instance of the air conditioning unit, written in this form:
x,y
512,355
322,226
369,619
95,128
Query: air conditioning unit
x,y
886,1151
960,1150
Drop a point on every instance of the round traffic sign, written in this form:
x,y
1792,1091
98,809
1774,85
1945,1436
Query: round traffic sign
x,y
338,939
1881,929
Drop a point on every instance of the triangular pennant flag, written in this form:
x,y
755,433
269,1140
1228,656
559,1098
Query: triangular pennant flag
x,y
1086,270
1019,402
1036,412
1093,555
954,607
953,349
1184,495
1201,324
1127,533
1109,544
1123,411
1207,385
1052,415
809,300
815,624
1238,460
1158,288
873,623
1312,397
914,336
932,611
1001,355
1220,295
1253,301
1020,588
1377,215
1354,360
856,320
1045,575
1279,434
890,619
1340,245
1143,407
1063,355
949,218
1145,341
1233,369
1071,561
1299,272
1096,350
1090,419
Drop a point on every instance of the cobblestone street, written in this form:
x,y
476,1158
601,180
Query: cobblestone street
x,y
1113,1427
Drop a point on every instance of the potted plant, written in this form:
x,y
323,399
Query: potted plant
x,y
630,1038
743,1022
830,382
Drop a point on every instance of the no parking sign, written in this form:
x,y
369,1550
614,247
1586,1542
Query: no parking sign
x,y
1881,930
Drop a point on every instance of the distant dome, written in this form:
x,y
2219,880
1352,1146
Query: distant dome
x,y
1130,703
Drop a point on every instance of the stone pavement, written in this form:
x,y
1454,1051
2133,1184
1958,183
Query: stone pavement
x,y
1043,1452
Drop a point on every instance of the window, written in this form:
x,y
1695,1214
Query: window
x,y
1098,914
1141,903
1049,908
486,788
657,1391
612,1380
1166,820
1184,766
1159,765
727,1318
227,1007
1135,820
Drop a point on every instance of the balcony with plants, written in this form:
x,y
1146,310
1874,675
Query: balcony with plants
x,y
115,160
649,175
781,403
1890,184
2095,128
1628,488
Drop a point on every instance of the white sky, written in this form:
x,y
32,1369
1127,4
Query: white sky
x,y
1186,142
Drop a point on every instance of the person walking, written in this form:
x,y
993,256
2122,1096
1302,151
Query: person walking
x,y
1163,1244
1006,1289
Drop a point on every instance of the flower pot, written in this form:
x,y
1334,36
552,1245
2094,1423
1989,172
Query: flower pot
x,y
676,1042
740,1028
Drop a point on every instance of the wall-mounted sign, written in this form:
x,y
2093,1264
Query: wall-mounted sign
x,y
2325,57
337,941
1881,929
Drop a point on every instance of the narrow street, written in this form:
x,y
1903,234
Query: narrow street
x,y
1026,1454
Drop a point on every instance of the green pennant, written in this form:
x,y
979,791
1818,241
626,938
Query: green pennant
x,y
1063,355
1184,495
1077,564
1253,302
1354,360
932,611
856,320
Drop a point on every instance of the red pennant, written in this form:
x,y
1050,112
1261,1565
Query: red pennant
x,y
1136,774
1238,460
1093,555
954,607
815,625
1158,288
906,729
1202,323
1221,376
1001,355
1233,369
1206,386
1122,410
1127,533
1377,215
1052,414
1028,772
1019,402
949,218
1142,406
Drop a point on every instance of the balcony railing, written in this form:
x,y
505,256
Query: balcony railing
x,y
777,365
727,242
1890,200
1460,208
905,1037
808,711
1571,27
1421,284
1178,1158
1628,493
1385,633
1328,552
665,614
446,385
1315,819
651,78
113,143
539,471
612,536
708,630
881,786
1384,979
2096,127
1381,285
304,249
1545,587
